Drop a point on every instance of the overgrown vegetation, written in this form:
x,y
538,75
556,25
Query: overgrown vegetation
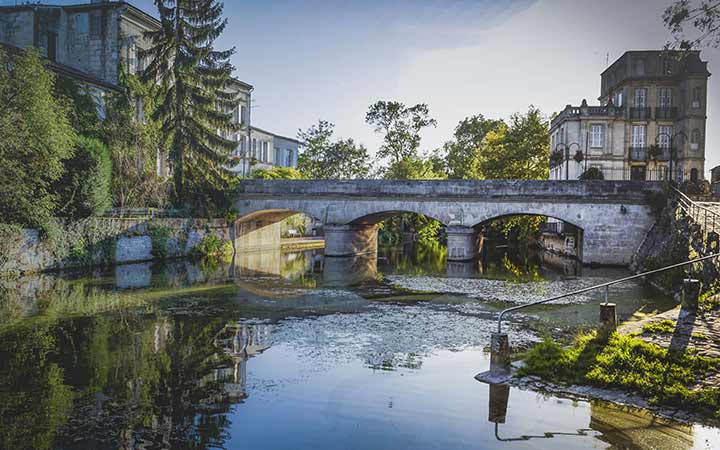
x,y
212,246
160,236
665,326
663,376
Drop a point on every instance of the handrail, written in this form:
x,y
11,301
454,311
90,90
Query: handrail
x,y
598,286
689,206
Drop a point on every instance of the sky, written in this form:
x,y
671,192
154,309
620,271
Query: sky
x,y
324,59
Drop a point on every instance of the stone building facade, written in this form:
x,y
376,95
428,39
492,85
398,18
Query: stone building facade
x,y
650,124
92,42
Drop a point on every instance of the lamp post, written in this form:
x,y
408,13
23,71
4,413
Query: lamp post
x,y
672,148
568,147
561,144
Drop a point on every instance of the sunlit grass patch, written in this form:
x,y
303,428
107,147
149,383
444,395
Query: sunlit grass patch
x,y
663,376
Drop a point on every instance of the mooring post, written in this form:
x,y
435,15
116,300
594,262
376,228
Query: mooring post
x,y
499,353
608,316
498,402
690,294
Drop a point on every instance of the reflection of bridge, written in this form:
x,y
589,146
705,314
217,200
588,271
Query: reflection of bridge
x,y
239,341
614,216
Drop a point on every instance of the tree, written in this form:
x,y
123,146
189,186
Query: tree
x,y
518,151
134,140
702,15
85,185
194,101
400,127
461,154
35,137
324,159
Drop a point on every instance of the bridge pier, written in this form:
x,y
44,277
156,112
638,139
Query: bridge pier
x,y
462,243
350,240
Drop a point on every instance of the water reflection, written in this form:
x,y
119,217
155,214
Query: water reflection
x,y
285,351
618,426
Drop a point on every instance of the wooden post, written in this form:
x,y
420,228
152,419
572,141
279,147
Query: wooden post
x,y
498,402
608,316
499,353
690,294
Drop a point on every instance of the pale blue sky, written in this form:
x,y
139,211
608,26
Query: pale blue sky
x,y
322,59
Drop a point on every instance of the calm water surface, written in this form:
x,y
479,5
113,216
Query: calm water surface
x,y
298,351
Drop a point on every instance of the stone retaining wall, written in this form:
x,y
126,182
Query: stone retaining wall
x,y
103,241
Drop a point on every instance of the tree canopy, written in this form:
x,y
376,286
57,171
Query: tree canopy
x,y
36,136
323,158
400,126
461,154
693,23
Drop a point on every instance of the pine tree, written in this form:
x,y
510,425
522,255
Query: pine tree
x,y
193,103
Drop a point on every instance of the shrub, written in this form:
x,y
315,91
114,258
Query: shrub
x,y
85,186
212,246
160,236
593,173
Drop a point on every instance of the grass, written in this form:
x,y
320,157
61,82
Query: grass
x,y
662,376
663,327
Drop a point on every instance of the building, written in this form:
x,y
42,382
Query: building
x,y
715,180
92,42
649,125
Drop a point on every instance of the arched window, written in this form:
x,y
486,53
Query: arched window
x,y
696,96
695,139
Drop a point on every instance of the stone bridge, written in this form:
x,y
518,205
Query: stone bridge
x,y
614,216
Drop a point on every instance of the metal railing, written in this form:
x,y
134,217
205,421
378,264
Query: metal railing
x,y
600,286
700,214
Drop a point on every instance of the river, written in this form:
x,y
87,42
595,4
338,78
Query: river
x,y
299,351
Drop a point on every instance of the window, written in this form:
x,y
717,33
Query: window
x,y
131,62
618,98
665,136
52,46
242,145
696,96
243,114
664,97
640,97
640,67
667,66
140,111
597,136
638,135
277,157
290,160
81,23
236,114
265,151
254,148
695,138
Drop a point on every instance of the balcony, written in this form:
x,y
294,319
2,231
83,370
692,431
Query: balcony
x,y
657,153
640,114
665,113
638,154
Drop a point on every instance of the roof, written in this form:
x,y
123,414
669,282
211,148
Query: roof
x,y
275,135
86,7
67,71
241,83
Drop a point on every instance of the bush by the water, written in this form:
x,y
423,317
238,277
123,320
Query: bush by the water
x,y
212,246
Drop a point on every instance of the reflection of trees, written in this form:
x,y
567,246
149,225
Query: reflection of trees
x,y
420,259
139,381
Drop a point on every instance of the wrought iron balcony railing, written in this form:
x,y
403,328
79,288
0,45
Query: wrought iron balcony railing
x,y
665,113
640,113
638,153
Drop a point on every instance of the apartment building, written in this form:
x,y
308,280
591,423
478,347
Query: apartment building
x,y
650,123
92,42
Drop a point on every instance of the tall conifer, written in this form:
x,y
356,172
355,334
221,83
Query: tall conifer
x,y
194,107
